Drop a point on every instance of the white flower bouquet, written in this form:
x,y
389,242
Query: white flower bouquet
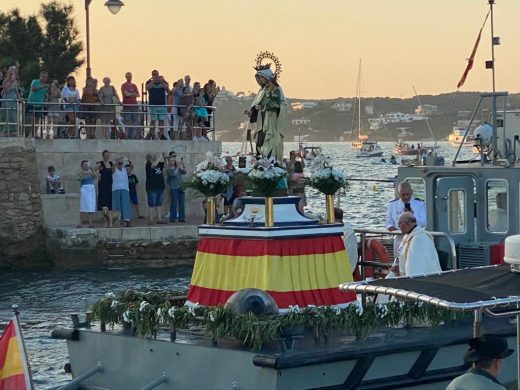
x,y
265,176
208,178
324,177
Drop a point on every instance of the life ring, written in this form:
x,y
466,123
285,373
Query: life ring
x,y
374,250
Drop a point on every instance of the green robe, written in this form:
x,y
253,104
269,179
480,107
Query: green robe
x,y
271,120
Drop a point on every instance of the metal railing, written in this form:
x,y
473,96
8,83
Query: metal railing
x,y
365,234
117,121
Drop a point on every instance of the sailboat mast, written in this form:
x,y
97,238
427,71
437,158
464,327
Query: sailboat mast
x,y
359,98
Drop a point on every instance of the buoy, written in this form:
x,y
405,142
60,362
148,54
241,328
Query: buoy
x,y
374,188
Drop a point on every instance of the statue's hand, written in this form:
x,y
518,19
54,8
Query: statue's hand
x,y
258,107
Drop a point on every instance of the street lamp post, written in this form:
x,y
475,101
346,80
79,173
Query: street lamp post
x,y
113,6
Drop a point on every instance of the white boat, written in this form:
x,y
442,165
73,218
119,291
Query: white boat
x,y
362,139
456,137
369,149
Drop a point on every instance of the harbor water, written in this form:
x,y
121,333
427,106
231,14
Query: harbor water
x,y
46,299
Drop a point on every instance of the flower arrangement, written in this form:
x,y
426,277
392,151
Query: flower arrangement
x,y
149,312
208,178
324,177
265,176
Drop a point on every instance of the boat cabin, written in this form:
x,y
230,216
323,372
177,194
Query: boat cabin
x,y
476,202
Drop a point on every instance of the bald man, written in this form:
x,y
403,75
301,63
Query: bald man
x,y
417,254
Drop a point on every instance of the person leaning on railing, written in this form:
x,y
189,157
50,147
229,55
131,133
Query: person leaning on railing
x,y
34,109
109,99
89,106
10,94
71,97
130,93
53,108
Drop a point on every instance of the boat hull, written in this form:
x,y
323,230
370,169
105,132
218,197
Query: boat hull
x,y
368,155
426,358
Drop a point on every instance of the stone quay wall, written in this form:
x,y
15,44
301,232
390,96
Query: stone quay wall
x,y
28,217
21,219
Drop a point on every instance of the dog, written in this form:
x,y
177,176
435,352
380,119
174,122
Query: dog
x,y
112,217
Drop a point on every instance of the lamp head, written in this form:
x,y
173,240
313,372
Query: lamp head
x,y
114,6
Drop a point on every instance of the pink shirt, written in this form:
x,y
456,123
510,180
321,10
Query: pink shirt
x,y
129,87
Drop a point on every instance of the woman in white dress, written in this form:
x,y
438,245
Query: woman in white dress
x,y
87,200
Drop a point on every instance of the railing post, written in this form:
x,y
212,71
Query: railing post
x,y
87,374
159,381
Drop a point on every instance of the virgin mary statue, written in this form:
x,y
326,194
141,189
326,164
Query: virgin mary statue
x,y
269,109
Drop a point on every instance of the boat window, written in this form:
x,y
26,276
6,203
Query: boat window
x,y
418,187
457,211
496,206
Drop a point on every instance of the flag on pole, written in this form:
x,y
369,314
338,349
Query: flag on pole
x,y
14,370
471,58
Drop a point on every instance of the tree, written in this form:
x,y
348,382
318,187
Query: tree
x,y
48,42
61,46
20,43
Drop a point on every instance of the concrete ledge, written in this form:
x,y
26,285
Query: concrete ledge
x,y
134,247
60,209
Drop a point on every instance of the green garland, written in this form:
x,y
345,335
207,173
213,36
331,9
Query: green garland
x,y
148,312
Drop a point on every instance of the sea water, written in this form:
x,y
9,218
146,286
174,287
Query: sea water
x,y
46,299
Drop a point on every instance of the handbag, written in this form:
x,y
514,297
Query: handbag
x,y
115,99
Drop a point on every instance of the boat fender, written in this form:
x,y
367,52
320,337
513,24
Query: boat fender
x,y
373,246
65,334
252,300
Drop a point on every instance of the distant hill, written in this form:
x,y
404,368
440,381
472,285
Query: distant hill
x,y
329,124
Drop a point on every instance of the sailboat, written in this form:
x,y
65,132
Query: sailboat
x,y
366,147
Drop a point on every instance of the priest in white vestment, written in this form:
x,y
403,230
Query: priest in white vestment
x,y
417,254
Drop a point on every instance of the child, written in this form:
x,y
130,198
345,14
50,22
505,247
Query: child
x,y
132,186
186,112
54,185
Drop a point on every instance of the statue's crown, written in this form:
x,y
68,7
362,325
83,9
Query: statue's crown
x,y
263,67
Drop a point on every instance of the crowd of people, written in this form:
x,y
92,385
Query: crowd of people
x,y
181,111
117,183
116,192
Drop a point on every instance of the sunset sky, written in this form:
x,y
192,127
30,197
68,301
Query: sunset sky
x,y
402,43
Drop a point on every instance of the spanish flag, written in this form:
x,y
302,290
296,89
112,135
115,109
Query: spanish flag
x,y
294,271
14,370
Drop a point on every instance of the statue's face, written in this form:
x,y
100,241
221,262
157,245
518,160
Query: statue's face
x,y
261,80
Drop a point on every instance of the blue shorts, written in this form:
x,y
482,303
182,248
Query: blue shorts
x,y
155,198
158,113
36,110
133,197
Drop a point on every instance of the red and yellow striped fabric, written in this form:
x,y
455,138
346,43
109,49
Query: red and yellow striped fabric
x,y
294,271
12,364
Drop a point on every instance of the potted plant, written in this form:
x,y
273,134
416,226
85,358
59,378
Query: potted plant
x,y
209,180
264,180
327,180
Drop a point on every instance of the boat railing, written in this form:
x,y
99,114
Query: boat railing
x,y
365,234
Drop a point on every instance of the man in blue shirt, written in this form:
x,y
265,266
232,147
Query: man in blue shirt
x,y
35,110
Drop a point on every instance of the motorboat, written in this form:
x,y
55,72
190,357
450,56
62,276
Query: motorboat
x,y
310,152
456,137
369,149
472,212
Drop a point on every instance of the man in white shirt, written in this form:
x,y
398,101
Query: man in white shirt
x,y
405,203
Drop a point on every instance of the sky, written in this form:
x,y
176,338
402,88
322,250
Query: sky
x,y
401,43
